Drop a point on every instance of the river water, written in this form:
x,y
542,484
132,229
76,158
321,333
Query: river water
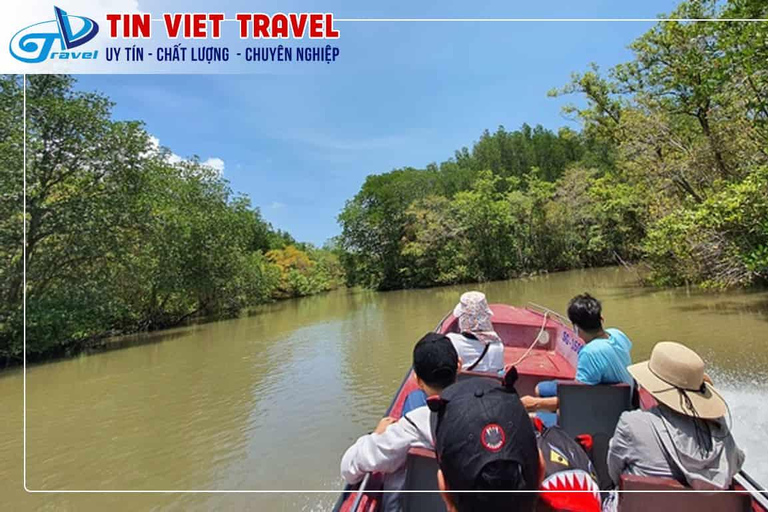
x,y
271,400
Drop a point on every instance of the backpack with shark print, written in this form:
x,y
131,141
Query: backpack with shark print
x,y
567,468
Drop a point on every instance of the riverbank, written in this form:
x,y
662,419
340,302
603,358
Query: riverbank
x,y
114,340
633,279
117,341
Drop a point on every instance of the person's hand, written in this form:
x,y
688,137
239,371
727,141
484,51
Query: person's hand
x,y
530,403
383,424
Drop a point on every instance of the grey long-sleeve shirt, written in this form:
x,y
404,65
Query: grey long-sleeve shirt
x,y
646,441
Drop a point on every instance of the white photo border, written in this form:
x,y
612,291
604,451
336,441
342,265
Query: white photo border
x,y
764,493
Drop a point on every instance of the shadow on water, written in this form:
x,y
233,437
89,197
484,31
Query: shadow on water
x,y
308,309
729,307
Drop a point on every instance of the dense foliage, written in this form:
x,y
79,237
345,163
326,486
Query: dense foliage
x,y
669,169
119,238
518,202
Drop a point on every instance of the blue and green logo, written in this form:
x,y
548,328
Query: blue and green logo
x,y
37,43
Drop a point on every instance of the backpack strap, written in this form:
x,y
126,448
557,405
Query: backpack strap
x,y
485,351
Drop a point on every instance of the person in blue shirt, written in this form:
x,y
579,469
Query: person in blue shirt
x,y
602,360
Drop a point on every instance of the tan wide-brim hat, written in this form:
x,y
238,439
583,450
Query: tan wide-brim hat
x,y
675,377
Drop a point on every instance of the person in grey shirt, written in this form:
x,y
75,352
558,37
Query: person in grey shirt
x,y
686,436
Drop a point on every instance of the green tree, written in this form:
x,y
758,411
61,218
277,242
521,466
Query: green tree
x,y
82,169
373,224
391,228
435,243
119,237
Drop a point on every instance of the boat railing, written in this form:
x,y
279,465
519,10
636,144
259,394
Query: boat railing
x,y
542,310
442,321
755,489
360,492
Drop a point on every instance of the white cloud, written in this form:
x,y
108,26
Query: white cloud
x,y
215,163
276,205
172,157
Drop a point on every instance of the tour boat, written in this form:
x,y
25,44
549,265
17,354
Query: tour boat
x,y
542,346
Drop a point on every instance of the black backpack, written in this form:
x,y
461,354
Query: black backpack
x,y
561,452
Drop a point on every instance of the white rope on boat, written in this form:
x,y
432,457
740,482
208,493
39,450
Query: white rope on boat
x,y
535,341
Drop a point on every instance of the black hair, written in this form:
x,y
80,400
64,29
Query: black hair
x,y
584,311
435,360
499,475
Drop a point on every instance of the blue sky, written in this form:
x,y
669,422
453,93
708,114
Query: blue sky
x,y
300,141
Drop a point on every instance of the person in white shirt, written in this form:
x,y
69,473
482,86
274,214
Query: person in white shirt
x,y
436,364
478,345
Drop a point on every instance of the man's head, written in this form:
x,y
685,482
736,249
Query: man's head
x,y
484,441
435,362
585,312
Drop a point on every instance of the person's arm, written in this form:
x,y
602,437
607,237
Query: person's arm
x,y
385,450
619,450
535,403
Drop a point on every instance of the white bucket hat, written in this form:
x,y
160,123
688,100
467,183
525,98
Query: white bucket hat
x,y
473,312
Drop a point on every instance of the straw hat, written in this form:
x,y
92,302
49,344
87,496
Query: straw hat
x,y
675,377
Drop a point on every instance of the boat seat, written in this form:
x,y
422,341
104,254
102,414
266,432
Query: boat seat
x,y
421,474
594,410
699,501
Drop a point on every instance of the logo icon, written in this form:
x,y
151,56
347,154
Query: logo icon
x,y
35,43
492,437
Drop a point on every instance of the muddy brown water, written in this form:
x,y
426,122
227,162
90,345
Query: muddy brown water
x,y
271,400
